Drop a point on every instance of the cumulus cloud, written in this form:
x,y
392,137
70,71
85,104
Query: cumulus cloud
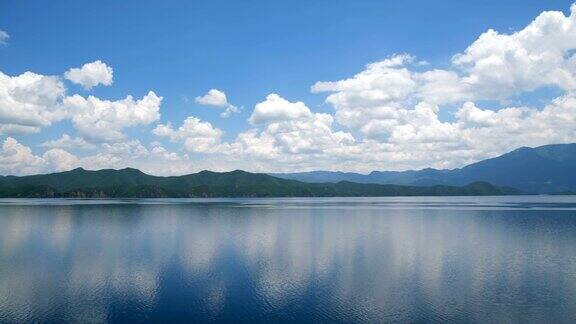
x,y
16,158
59,160
387,92
287,134
217,98
277,109
498,65
382,82
68,142
30,101
4,36
495,66
292,127
214,97
197,136
91,75
293,144
103,120
508,128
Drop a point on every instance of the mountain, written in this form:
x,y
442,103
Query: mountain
x,y
80,183
544,169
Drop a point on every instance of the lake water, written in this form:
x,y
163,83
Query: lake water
x,y
465,259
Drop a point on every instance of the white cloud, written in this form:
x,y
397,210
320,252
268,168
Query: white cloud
x,y
91,75
68,142
197,136
288,134
4,36
442,86
495,66
59,160
420,124
16,158
293,128
498,65
277,109
132,148
116,156
214,97
12,129
30,101
499,131
103,120
378,90
294,141
217,98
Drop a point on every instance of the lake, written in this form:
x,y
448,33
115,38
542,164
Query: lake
x,y
413,259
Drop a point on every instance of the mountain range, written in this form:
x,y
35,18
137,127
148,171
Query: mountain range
x,y
547,169
544,169
80,183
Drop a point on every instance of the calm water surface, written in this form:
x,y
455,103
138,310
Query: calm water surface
x,y
479,259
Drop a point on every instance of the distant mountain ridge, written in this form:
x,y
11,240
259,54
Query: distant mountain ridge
x,y
127,183
544,169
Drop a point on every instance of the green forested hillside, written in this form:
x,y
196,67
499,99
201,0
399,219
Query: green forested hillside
x,y
80,183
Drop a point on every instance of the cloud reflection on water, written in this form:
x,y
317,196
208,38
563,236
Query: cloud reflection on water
x,y
109,262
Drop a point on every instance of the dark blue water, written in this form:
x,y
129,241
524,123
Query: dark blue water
x,y
492,260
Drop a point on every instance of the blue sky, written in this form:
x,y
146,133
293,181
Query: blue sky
x,y
250,49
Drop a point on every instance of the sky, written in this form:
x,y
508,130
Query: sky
x,y
175,87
